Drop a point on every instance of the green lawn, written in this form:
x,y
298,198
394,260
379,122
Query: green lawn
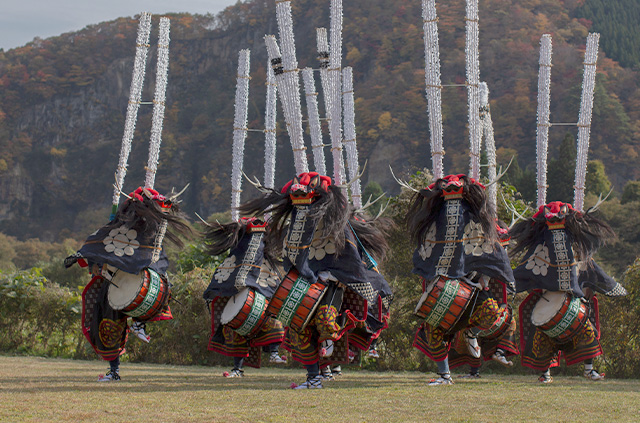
x,y
43,390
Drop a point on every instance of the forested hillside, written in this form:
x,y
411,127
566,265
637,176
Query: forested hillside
x,y
63,99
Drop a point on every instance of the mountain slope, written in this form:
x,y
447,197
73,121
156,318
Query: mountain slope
x,y
63,102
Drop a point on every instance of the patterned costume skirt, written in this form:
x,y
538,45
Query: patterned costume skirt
x,y
227,341
105,328
541,352
505,339
334,319
435,342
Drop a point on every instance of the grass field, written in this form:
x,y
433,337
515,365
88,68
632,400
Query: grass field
x,y
44,390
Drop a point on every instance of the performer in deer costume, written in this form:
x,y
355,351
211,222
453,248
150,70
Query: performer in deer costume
x,y
330,282
242,286
453,224
129,273
239,293
458,255
498,343
126,256
558,241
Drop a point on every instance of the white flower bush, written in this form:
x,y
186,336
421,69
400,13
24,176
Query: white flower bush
x,y
121,241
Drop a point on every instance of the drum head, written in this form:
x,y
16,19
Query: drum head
x,y
547,306
422,299
124,288
234,305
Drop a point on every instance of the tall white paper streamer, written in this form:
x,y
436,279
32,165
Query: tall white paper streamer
x,y
135,92
314,121
473,79
270,130
323,63
542,136
350,136
239,130
584,120
289,84
486,125
162,69
433,84
335,90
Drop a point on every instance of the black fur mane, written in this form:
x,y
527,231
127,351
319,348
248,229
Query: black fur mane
x,y
427,203
147,216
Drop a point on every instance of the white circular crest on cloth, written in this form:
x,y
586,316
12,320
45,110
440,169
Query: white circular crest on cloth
x,y
268,276
321,247
121,241
427,247
538,262
474,241
225,269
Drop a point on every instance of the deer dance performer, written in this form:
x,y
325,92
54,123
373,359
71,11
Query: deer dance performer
x,y
561,312
239,293
328,288
129,273
458,253
496,343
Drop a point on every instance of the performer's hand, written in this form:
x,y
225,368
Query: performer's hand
x,y
588,293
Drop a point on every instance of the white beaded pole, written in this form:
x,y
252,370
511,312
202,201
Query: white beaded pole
x,y
322,43
335,91
542,136
270,130
289,84
162,70
584,120
433,84
486,125
314,121
473,79
290,106
350,136
239,130
135,93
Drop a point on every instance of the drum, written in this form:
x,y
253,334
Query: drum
x,y
444,302
142,296
500,326
560,315
245,312
295,301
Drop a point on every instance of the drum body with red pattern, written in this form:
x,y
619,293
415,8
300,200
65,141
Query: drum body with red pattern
x,y
142,296
500,326
560,315
296,300
444,302
245,312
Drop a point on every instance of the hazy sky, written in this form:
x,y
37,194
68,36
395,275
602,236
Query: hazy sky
x,y
23,20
